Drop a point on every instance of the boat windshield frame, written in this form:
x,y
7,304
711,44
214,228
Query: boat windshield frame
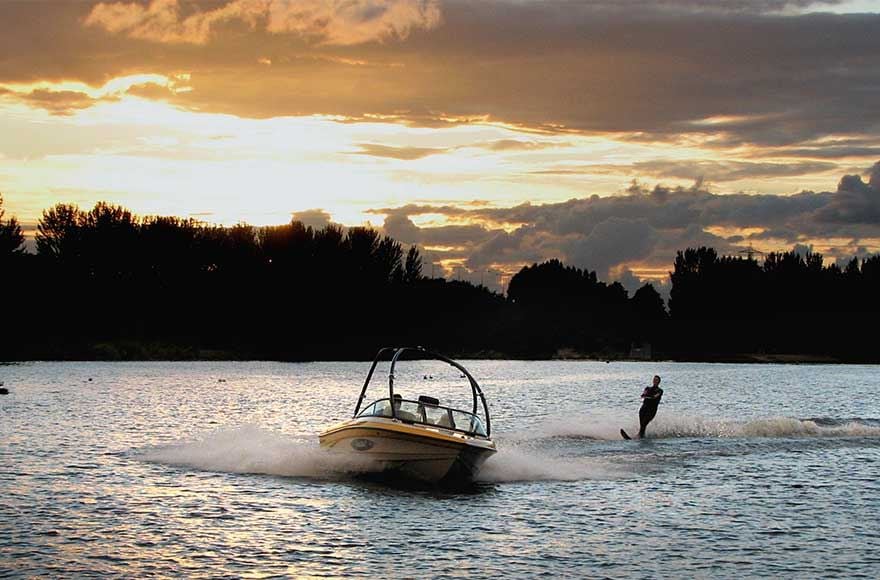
x,y
422,404
476,391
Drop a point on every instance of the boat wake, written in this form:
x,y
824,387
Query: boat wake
x,y
520,464
669,426
251,449
523,456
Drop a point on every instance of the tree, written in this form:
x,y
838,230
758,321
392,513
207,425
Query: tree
x,y
11,238
288,246
361,244
648,304
412,271
387,260
58,231
109,235
693,278
551,284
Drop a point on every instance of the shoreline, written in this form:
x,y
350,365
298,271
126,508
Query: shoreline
x,y
228,356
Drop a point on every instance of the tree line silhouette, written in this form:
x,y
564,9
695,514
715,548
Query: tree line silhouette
x,y
792,303
105,283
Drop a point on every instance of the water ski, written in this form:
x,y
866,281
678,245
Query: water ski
x,y
624,435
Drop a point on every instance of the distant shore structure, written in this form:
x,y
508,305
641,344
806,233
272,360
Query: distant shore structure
x,y
641,351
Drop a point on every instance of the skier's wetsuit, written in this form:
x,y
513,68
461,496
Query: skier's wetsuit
x,y
650,399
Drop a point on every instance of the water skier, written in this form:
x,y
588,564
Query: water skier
x,y
650,399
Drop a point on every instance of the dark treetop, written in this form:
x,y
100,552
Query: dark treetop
x,y
108,284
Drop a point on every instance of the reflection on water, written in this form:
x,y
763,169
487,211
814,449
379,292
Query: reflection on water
x,y
140,469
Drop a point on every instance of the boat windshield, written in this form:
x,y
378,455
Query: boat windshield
x,y
428,414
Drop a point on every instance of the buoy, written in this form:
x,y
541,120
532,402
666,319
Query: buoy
x,y
4,391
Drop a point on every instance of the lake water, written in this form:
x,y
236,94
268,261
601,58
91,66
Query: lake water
x,y
213,469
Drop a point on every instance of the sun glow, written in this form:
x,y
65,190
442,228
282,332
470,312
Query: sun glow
x,y
156,157
135,142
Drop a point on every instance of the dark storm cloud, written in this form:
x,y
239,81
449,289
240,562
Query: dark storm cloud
x,y
855,202
645,226
398,225
649,70
614,241
523,245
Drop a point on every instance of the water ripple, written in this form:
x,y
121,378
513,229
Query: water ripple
x,y
155,470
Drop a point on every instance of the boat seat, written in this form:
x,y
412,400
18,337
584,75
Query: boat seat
x,y
408,417
433,413
445,421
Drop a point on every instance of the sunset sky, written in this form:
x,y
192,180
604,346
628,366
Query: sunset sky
x,y
492,133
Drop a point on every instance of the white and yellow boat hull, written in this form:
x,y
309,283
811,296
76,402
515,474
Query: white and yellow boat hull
x,y
426,453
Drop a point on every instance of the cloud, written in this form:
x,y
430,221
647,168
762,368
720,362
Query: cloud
x,y
727,170
826,151
855,202
519,145
422,209
716,6
398,225
627,279
628,69
612,242
642,71
412,153
643,228
56,102
316,218
340,22
696,169
403,153
152,91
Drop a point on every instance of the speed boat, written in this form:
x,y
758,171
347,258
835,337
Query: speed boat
x,y
419,439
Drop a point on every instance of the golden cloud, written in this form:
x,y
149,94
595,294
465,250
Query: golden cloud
x,y
339,22
67,97
61,103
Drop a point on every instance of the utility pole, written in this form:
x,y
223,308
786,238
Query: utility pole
x,y
750,252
